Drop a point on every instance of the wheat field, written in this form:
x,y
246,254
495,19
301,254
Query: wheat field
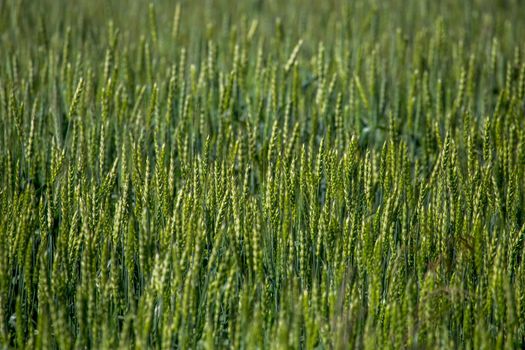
x,y
262,174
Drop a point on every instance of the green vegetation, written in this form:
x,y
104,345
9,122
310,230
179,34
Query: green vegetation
x,y
262,174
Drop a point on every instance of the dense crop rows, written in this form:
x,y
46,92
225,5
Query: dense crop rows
x,y
272,174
